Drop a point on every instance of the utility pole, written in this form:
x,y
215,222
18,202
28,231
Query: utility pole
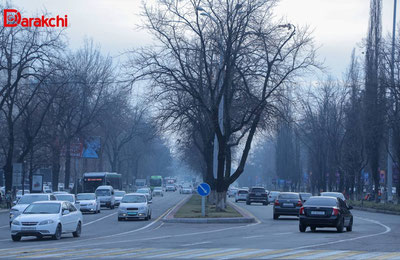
x,y
390,146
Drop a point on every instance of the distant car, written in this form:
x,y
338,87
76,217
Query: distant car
x,y
60,192
119,194
257,194
134,205
319,211
305,196
106,195
187,189
288,204
88,202
158,191
232,192
241,195
272,195
47,218
147,192
68,197
27,199
333,194
170,187
19,194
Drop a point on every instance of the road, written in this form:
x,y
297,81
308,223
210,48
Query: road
x,y
374,236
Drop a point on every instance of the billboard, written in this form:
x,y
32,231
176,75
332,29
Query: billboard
x,y
37,183
92,147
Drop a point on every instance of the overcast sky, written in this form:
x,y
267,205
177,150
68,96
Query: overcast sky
x,y
339,25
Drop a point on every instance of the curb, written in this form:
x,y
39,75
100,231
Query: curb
x,y
4,210
377,210
169,218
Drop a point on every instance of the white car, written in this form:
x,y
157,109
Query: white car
x,y
241,195
27,199
47,218
19,194
119,194
88,202
187,190
147,192
158,191
134,205
68,197
170,187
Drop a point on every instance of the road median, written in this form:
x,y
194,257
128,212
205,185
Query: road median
x,y
189,211
370,206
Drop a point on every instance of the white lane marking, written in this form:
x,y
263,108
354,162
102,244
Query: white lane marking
x,y
320,255
285,233
198,243
97,220
162,224
292,252
254,236
182,252
6,239
211,252
387,230
5,226
367,255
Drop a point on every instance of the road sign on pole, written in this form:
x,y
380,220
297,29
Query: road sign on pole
x,y
203,190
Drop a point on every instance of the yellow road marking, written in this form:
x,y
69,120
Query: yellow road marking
x,y
343,255
152,253
387,256
307,253
273,252
26,251
48,253
117,253
227,253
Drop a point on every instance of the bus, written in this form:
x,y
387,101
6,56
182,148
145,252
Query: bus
x,y
92,180
156,181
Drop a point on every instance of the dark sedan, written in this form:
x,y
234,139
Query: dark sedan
x,y
321,211
288,204
257,194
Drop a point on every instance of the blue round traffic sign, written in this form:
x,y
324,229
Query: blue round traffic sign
x,y
203,189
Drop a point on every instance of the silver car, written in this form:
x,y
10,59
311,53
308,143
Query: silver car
x,y
147,192
158,191
133,206
88,202
119,194
68,197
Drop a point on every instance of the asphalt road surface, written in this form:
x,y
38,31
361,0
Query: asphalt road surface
x,y
374,236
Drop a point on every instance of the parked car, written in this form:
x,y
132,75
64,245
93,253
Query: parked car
x,y
158,191
333,194
106,195
47,218
88,202
287,204
134,205
119,194
272,195
68,197
257,194
147,192
241,195
320,211
305,196
27,199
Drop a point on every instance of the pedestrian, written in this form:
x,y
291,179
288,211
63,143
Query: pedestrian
x,y
8,199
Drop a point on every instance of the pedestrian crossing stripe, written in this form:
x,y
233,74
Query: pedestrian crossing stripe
x,y
195,253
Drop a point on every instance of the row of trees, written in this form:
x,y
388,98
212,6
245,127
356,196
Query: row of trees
x,y
51,96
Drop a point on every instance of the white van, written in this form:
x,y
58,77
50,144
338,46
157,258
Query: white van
x,y
106,196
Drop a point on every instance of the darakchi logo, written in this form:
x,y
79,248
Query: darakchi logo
x,y
12,18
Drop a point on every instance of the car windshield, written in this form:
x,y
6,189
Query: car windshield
x,y
86,197
288,196
243,192
257,190
133,199
119,193
274,193
43,208
318,201
66,197
28,199
103,192
142,191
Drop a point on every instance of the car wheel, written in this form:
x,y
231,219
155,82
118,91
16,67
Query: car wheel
x,y
113,206
340,226
236,201
302,228
78,230
15,238
313,229
57,235
276,216
248,203
350,227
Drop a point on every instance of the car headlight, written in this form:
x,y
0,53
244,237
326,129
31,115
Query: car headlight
x,y
16,222
142,208
46,222
122,209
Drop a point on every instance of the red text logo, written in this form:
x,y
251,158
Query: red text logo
x,y
12,18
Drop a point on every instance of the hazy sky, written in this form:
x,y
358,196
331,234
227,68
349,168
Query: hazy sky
x,y
339,25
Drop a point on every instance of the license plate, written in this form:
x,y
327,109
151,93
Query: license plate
x,y
132,213
288,204
28,228
317,212
258,194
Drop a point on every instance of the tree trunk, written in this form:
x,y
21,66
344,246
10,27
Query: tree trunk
x,y
67,164
55,165
221,201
